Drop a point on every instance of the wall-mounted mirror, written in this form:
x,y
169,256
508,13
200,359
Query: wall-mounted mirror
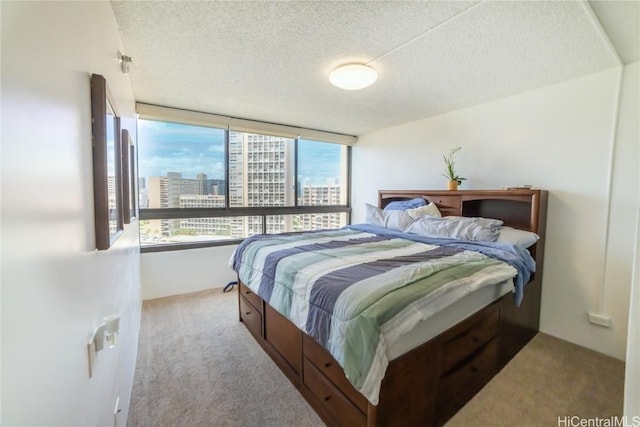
x,y
107,177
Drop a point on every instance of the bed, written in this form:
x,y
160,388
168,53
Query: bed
x,y
439,364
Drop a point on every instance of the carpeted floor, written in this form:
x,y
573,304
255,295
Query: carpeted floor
x,y
198,366
546,381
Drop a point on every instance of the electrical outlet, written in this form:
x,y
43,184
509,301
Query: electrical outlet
x,y
600,319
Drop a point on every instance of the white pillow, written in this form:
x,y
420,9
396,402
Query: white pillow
x,y
393,220
520,238
454,227
431,209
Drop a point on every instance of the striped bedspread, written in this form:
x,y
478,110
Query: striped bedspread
x,y
356,291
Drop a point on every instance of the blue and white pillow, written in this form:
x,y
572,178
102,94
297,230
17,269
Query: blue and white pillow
x,y
403,205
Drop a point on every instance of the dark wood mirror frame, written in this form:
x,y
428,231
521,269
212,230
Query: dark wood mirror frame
x,y
129,177
109,220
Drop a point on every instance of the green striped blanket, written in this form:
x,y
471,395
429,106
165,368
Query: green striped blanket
x,y
357,292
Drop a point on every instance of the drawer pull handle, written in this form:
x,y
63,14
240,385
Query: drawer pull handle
x,y
473,368
247,292
326,399
248,313
326,365
475,339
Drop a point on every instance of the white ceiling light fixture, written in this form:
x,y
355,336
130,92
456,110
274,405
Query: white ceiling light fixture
x,y
353,76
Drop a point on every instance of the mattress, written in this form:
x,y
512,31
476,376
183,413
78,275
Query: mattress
x,y
447,313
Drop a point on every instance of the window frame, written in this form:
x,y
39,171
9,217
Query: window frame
x,y
228,211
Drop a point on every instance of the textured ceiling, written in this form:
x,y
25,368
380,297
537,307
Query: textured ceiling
x,y
270,60
621,21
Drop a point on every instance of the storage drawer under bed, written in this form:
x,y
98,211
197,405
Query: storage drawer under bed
x,y
251,317
329,368
250,296
463,382
462,342
332,400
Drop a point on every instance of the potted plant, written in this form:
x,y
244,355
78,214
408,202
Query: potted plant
x,y
449,161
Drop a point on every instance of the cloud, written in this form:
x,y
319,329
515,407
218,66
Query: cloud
x,y
169,147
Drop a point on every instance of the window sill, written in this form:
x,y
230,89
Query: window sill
x,y
183,246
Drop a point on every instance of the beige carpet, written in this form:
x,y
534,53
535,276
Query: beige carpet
x,y
198,366
547,379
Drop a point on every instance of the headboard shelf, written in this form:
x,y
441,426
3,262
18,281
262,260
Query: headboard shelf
x,y
519,208
525,209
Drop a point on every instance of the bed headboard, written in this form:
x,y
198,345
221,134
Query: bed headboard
x,y
524,209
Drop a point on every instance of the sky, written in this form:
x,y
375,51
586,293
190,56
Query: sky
x,y
318,162
170,147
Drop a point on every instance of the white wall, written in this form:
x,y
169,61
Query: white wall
x,y
632,378
557,138
632,375
55,287
181,272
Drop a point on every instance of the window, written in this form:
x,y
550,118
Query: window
x,y
206,185
322,181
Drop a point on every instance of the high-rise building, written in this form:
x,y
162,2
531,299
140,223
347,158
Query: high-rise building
x,y
201,180
226,227
320,195
157,197
171,191
174,189
258,166
111,192
143,193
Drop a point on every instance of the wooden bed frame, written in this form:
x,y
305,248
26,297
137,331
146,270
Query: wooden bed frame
x,y
430,383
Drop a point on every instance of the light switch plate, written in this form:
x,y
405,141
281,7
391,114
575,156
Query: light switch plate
x,y
91,352
116,413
